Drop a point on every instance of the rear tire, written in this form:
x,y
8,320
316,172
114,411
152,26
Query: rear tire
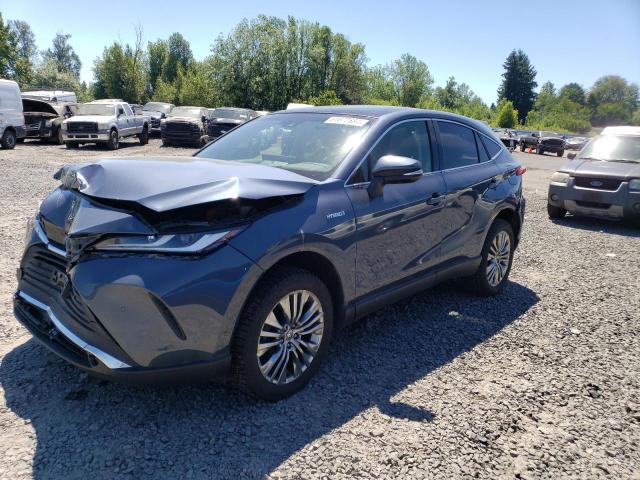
x,y
144,136
71,145
497,256
289,361
9,140
523,147
166,143
114,142
560,153
539,151
58,137
555,213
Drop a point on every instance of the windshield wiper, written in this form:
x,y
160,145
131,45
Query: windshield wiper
x,y
592,158
623,161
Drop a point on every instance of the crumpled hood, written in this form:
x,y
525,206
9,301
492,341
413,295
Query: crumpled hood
x,y
167,183
184,119
599,168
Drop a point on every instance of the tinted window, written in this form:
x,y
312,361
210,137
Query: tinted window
x,y
409,139
484,156
492,147
458,145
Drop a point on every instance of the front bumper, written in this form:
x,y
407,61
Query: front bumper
x,y
615,204
85,137
551,148
125,316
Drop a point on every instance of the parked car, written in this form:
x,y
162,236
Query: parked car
x,y
507,137
185,126
104,122
44,119
156,112
575,143
602,180
244,259
543,142
224,119
12,127
51,95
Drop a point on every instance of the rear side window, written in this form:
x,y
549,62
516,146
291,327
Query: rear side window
x,y
458,145
409,139
492,147
482,152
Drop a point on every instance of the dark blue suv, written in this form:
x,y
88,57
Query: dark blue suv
x,y
243,260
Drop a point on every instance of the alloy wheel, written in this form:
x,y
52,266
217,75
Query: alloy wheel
x,y
290,337
498,258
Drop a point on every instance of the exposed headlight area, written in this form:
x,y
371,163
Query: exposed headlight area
x,y
179,243
634,184
560,177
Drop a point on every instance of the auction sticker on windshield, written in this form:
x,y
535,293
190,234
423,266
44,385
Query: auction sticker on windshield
x,y
353,121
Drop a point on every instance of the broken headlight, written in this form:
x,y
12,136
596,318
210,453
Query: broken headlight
x,y
171,243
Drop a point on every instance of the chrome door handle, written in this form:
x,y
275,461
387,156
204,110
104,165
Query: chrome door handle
x,y
435,199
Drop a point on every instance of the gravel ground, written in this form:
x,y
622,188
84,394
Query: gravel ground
x,y
539,382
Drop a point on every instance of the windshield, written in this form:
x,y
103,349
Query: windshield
x,y
186,112
230,113
310,144
107,109
549,134
613,148
157,107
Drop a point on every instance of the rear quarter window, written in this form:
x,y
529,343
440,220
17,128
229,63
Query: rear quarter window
x,y
492,147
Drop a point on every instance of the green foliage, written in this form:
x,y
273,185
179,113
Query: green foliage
x,y
47,76
165,92
178,56
328,97
506,115
405,81
157,53
612,101
559,113
17,51
574,92
195,86
63,55
518,83
635,118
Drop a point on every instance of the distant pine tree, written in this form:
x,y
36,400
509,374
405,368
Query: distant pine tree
x,y
518,83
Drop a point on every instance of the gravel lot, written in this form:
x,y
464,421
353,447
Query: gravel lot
x,y
540,382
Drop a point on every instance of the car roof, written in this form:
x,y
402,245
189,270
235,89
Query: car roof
x,y
622,130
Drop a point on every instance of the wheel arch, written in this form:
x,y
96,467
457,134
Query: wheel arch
x,y
511,216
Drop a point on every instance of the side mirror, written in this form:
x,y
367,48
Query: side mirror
x,y
120,111
390,169
571,155
204,118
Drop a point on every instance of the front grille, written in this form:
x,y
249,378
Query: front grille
x,y
181,132
44,273
155,122
610,184
553,142
82,127
217,129
582,203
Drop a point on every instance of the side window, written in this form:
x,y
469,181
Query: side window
x,y
482,152
127,109
458,145
409,139
492,147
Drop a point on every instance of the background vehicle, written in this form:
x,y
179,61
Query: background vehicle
x,y
12,126
44,119
224,119
253,252
543,141
507,137
104,122
156,112
575,142
185,126
51,95
603,180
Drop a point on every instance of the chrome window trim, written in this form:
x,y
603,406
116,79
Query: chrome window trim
x,y
108,360
421,119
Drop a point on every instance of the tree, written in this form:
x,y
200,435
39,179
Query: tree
x,y
6,50
612,100
328,97
25,53
46,75
157,56
411,79
64,56
178,55
574,92
518,83
506,116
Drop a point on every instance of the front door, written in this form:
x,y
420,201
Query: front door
x,y
399,232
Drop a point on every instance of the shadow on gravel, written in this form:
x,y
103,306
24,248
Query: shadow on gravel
x,y
613,227
88,427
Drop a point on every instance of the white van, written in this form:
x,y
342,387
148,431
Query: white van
x,y
11,118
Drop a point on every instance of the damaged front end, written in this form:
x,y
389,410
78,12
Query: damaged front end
x,y
134,271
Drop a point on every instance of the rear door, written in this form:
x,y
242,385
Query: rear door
x,y
399,232
131,121
469,172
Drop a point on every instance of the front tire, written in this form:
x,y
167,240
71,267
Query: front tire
x,y
496,261
523,147
114,142
9,140
283,335
555,213
560,153
58,137
540,151
144,136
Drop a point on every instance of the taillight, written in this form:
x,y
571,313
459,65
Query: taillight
x,y
521,171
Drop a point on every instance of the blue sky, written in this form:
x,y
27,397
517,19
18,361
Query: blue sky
x,y
565,40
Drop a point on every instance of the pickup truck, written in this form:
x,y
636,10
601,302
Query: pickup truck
x,y
543,142
104,122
